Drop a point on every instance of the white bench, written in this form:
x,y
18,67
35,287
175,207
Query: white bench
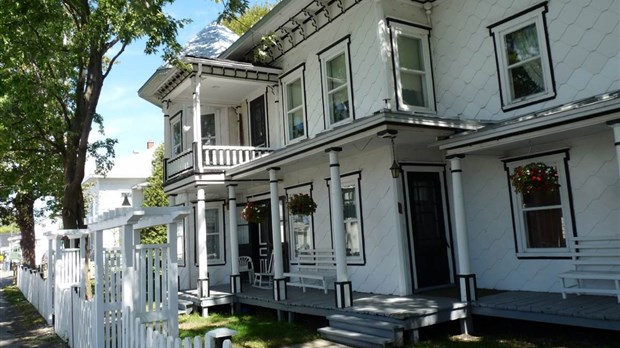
x,y
596,261
316,269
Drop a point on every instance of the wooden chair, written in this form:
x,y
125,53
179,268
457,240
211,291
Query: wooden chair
x,y
266,273
246,265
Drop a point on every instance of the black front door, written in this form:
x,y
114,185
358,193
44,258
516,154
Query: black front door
x,y
258,123
428,229
256,239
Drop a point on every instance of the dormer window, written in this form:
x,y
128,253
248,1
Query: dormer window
x,y
412,68
294,104
336,82
176,136
523,59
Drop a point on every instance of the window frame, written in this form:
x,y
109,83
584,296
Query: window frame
x,y
290,191
215,125
560,161
498,31
297,73
175,120
423,34
353,179
218,207
341,46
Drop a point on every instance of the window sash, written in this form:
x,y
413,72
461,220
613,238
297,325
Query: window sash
x,y
215,238
176,139
295,130
352,226
336,87
207,121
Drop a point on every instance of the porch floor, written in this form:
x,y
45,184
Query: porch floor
x,y
600,312
412,312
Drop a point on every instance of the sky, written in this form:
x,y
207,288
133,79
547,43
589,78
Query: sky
x,y
127,117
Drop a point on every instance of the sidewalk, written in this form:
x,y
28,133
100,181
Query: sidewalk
x,y
7,335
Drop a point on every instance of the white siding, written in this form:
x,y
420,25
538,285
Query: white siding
x,y
583,36
595,186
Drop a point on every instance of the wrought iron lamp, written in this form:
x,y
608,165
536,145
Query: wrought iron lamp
x,y
395,169
126,200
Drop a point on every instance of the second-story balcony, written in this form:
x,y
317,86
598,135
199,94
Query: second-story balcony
x,y
214,158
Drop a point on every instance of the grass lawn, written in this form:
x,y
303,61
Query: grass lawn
x,y
28,323
258,330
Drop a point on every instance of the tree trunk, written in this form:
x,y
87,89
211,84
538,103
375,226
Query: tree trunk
x,y
24,205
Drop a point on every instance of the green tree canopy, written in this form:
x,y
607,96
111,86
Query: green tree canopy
x,y
240,23
154,196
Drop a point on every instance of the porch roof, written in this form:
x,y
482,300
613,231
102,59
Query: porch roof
x,y
167,79
588,113
363,128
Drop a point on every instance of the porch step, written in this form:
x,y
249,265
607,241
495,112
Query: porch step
x,y
185,307
362,332
354,339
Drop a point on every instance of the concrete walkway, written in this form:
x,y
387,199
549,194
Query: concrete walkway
x,y
319,343
7,336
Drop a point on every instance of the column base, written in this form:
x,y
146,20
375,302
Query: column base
x,y
235,283
279,289
203,288
344,294
468,287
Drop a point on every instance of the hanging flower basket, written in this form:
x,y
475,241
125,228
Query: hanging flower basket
x,y
534,177
301,204
254,212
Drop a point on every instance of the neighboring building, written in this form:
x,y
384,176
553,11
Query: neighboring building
x,y
121,187
501,82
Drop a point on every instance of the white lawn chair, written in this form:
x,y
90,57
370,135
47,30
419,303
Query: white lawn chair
x,y
246,265
265,275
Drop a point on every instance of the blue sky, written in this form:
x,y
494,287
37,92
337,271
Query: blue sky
x,y
130,119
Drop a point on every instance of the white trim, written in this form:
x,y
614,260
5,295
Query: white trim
x,y
556,160
499,33
324,58
422,35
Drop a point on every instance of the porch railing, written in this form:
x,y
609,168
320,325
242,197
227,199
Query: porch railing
x,y
214,157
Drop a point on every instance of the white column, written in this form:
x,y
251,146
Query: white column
x,y
196,82
466,278
235,278
279,282
404,281
201,233
167,140
173,272
343,285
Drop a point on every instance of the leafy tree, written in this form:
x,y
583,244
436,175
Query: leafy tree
x,y
239,24
10,228
60,53
154,196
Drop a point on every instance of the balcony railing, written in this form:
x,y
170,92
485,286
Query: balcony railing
x,y
214,157
228,156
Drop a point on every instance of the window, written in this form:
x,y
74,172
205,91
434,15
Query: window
x,y
542,220
207,128
294,105
523,59
215,235
337,97
176,136
300,226
352,211
412,65
181,243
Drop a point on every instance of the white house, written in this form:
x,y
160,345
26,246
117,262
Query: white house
x,y
466,90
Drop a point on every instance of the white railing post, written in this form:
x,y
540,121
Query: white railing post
x,y
173,271
98,338
128,281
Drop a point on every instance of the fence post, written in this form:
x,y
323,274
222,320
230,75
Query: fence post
x,y
98,339
173,292
82,275
49,289
128,281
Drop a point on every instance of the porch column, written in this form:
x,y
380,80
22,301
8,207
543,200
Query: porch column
x,y
279,282
167,142
344,289
467,280
201,232
196,79
615,124
235,278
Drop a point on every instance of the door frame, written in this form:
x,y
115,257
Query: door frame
x,y
439,168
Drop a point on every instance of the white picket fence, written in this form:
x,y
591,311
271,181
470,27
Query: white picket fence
x,y
142,335
32,284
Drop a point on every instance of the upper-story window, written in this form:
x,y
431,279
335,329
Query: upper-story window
x,y
176,136
542,219
336,82
412,68
294,104
523,59
208,130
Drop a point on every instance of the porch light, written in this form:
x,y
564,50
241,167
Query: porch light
x,y
391,134
395,168
126,200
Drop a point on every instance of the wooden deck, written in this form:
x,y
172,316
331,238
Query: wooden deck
x,y
412,312
601,312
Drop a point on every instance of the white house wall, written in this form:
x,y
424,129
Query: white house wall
x,y
595,186
583,36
